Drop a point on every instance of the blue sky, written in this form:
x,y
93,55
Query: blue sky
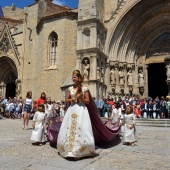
x,y
22,3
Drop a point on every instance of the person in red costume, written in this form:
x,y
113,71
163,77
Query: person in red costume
x,y
41,99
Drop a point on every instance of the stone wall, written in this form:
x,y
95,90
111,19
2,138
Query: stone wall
x,y
37,76
13,13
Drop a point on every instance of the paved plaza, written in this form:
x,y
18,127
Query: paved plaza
x,y
17,152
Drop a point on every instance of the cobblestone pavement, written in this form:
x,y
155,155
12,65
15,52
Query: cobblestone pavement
x,y
17,152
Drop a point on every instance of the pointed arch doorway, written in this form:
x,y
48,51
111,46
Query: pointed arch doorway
x,y
157,85
8,77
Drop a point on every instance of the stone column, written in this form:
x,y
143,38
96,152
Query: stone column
x,y
93,36
3,90
136,82
117,90
146,80
93,67
79,62
126,89
107,77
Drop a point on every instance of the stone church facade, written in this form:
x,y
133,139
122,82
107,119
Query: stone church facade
x,y
115,44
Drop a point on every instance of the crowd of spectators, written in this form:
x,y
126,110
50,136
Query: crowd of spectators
x,y
12,108
142,108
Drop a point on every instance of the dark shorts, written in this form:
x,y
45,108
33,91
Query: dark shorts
x,y
11,112
27,108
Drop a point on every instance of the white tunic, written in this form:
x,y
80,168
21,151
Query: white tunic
x,y
76,138
116,114
129,135
38,132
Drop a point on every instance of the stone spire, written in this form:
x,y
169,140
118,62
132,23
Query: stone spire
x,y
13,6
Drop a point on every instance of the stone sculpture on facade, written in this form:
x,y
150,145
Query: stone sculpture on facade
x,y
121,77
112,77
86,70
141,81
98,73
102,74
168,71
130,77
167,63
121,80
130,80
141,78
18,87
99,44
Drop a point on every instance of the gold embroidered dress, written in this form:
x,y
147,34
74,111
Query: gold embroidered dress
x,y
76,138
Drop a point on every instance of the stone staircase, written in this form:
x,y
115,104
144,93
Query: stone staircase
x,y
149,122
153,122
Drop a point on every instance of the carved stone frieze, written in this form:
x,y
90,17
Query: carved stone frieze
x,y
5,44
131,66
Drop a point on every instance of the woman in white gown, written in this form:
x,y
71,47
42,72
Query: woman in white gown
x,y
76,138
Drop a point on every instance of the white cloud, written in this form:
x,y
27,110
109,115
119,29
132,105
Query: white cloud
x,y
59,2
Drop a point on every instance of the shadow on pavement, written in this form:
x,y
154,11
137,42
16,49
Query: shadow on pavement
x,y
116,141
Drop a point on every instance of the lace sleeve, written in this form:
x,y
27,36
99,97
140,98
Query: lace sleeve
x,y
85,88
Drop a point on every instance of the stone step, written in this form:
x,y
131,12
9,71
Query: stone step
x,y
153,125
153,121
149,122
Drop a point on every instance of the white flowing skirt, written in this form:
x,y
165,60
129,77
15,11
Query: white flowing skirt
x,y
38,133
76,138
129,135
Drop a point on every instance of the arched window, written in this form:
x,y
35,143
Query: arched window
x,y
53,43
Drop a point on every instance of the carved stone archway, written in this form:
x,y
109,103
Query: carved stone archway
x,y
133,38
